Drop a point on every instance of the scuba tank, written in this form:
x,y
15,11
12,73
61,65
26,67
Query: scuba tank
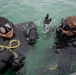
x,y
17,63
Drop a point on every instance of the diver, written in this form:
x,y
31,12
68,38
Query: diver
x,y
46,23
65,46
31,36
9,59
66,33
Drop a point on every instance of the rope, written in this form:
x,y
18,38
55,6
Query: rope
x,y
9,47
53,68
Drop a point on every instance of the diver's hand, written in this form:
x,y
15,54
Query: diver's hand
x,y
68,33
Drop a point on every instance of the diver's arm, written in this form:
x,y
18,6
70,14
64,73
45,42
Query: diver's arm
x,y
68,33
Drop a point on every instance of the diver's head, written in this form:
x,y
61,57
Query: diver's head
x,y
6,28
33,36
71,21
68,27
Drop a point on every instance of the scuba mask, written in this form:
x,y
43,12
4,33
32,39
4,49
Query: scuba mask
x,y
67,25
6,30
